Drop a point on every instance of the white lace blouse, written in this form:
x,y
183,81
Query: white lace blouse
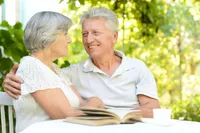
x,y
38,76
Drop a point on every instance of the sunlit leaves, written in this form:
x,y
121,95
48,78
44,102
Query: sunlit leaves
x,y
182,109
12,46
1,1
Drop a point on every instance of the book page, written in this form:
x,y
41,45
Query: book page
x,y
96,116
122,112
132,117
119,113
99,112
92,121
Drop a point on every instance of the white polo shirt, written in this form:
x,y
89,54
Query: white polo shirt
x,y
131,78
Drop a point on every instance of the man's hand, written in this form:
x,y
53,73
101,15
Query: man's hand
x,y
94,102
11,83
147,104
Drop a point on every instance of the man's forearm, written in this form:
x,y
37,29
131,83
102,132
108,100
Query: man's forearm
x,y
147,108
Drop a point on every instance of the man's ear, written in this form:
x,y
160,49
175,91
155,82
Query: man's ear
x,y
115,37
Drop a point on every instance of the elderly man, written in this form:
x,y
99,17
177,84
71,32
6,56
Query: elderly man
x,y
108,74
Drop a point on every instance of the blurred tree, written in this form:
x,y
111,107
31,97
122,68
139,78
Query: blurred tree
x,y
1,1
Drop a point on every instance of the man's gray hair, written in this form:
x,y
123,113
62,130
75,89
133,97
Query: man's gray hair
x,y
109,15
43,28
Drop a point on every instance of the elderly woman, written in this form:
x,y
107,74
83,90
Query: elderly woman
x,y
46,92
118,80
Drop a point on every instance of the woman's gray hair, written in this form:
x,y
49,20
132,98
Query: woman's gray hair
x,y
43,28
110,16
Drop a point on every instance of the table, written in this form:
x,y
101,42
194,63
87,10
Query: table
x,y
59,126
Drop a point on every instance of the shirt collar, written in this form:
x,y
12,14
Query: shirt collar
x,y
125,64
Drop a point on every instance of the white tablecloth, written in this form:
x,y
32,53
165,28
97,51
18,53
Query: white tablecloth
x,y
58,126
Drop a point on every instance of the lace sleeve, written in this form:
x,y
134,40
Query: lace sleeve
x,y
36,76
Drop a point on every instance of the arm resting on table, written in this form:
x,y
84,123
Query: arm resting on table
x,y
147,104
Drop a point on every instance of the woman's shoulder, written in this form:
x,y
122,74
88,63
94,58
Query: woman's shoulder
x,y
36,75
30,65
29,62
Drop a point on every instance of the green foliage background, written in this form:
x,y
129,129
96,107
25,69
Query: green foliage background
x,y
165,35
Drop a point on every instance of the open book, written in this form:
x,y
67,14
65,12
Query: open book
x,y
97,117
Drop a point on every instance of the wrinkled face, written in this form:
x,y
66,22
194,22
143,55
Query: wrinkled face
x,y
59,47
98,39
